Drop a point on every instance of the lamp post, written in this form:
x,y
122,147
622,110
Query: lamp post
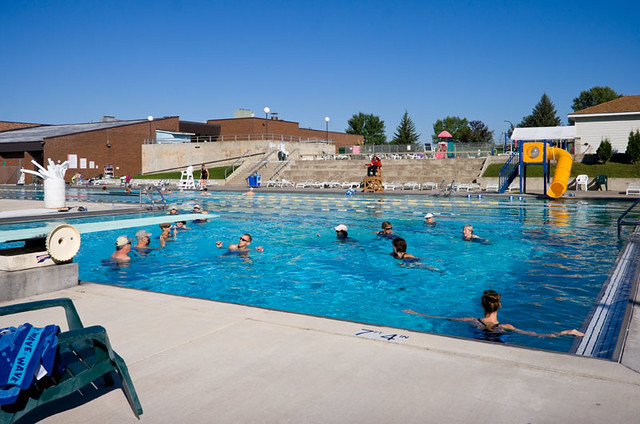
x,y
326,121
506,136
150,119
266,121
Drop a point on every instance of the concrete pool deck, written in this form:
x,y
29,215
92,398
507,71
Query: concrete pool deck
x,y
195,360
198,361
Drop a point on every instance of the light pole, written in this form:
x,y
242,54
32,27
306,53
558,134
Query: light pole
x,y
326,121
266,121
150,119
506,136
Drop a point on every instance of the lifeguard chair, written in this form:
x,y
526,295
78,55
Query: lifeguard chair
x,y
374,184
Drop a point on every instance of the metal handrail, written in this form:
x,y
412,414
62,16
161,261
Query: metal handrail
x,y
285,163
262,163
258,137
621,220
506,172
232,166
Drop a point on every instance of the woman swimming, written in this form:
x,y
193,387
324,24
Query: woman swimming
x,y
491,303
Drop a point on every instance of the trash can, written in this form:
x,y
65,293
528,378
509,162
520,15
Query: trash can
x,y
254,180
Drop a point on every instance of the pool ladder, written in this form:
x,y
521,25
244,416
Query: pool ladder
x,y
622,221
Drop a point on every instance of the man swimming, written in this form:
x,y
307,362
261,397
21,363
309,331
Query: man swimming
x,y
242,245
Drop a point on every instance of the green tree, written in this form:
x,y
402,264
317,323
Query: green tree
x,y
543,115
480,133
633,147
406,131
594,96
370,126
458,127
604,151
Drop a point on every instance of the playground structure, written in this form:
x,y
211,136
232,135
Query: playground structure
x,y
540,153
535,148
445,146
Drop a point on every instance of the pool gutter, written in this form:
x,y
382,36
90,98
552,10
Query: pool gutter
x,y
610,330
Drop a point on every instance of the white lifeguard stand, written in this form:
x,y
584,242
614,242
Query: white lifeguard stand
x,y
186,179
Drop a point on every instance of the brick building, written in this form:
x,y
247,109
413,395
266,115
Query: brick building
x,y
89,147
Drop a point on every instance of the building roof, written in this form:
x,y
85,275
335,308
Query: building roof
x,y
39,134
544,133
625,104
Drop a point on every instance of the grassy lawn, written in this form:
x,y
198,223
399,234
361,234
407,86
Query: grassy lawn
x,y
611,169
214,174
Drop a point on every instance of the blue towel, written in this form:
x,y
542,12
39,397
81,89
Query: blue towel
x,y
22,351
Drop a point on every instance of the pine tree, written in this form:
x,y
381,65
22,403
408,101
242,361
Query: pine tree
x,y
406,131
633,147
604,151
543,115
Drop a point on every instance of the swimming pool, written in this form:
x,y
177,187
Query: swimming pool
x,y
549,259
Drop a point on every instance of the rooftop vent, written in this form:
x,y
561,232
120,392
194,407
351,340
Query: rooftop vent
x,y
108,118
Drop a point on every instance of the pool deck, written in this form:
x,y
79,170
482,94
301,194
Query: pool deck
x,y
202,361
195,360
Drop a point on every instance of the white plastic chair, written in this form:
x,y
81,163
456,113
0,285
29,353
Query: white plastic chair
x,y
491,187
429,186
633,188
582,180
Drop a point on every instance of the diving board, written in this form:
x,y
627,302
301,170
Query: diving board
x,y
94,227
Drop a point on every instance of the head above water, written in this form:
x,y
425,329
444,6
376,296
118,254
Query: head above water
x,y
122,241
341,231
386,225
399,245
491,301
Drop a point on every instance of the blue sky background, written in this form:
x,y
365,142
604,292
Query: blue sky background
x,y
75,61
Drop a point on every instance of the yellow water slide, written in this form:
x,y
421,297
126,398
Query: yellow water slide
x,y
532,153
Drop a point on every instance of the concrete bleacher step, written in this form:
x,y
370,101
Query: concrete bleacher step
x,y
461,170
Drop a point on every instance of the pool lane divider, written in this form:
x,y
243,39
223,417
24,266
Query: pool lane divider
x,y
93,227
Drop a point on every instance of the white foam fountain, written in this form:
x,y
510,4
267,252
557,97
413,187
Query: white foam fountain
x,y
54,185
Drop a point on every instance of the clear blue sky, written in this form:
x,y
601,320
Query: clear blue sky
x,y
75,61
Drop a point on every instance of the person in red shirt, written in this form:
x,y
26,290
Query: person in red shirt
x,y
372,168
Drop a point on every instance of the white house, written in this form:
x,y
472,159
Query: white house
x,y
613,120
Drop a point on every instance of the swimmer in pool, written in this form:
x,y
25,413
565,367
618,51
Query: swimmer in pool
x,y
429,219
467,234
168,231
143,240
181,226
387,230
400,249
491,303
242,245
123,247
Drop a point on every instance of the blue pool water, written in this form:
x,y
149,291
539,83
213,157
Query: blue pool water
x,y
549,259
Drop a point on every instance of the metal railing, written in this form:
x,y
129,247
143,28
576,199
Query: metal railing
x,y
259,137
233,166
262,163
507,172
622,221
285,163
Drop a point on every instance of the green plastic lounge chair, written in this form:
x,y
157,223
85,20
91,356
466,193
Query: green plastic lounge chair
x,y
87,356
602,180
